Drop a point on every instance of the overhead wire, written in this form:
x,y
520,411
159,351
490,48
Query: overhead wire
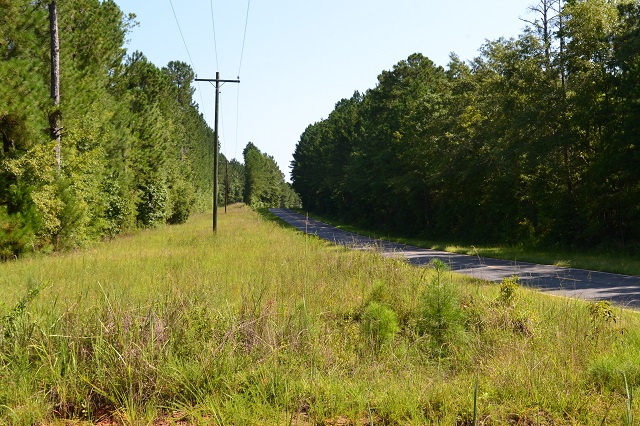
x,y
244,39
215,44
188,53
215,49
181,35
235,152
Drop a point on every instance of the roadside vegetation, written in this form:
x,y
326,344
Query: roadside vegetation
x,y
262,325
136,150
534,141
594,260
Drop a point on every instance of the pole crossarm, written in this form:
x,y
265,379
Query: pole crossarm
x,y
216,80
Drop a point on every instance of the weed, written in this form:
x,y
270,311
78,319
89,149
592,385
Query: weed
x,y
8,323
629,417
601,313
379,325
602,320
508,291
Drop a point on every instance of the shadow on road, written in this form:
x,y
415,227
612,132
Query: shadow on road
x,y
623,290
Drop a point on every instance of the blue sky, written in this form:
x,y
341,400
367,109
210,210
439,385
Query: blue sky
x,y
301,57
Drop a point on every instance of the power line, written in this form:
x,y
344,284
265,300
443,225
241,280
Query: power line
x,y
215,44
235,153
193,67
244,37
181,35
223,139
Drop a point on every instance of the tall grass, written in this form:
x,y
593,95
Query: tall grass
x,y
262,325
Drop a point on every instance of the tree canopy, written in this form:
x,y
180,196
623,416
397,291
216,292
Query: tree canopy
x,y
535,140
264,184
135,149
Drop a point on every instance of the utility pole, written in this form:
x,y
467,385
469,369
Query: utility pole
x,y
54,117
217,80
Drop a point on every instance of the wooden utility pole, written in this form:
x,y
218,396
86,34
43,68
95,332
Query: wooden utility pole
x,y
217,80
54,117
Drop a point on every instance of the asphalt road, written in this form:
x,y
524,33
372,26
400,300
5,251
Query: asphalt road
x,y
623,290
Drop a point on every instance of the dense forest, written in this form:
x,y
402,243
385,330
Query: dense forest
x,y
135,149
264,182
536,140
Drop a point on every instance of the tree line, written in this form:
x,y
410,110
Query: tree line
x,y
264,182
536,140
135,151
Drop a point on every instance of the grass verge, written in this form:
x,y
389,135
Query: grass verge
x,y
609,261
258,325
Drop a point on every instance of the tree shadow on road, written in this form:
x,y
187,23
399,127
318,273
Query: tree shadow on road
x,y
267,216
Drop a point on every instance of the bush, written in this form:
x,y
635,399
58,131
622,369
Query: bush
x,y
119,207
508,289
152,204
379,324
182,199
18,229
440,314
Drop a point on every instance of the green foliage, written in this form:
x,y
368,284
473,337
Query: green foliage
x,y
603,318
379,324
152,204
181,198
19,228
264,184
440,314
380,294
508,291
236,181
119,206
135,149
602,312
537,136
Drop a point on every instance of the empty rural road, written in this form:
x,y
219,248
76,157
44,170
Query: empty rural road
x,y
623,290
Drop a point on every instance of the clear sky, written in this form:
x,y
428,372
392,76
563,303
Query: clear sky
x,y
301,56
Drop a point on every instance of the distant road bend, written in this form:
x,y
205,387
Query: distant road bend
x,y
623,290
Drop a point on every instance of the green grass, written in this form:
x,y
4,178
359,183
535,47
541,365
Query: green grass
x,y
606,261
260,325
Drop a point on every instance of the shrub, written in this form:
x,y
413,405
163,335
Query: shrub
x,y
182,199
18,231
440,314
152,204
379,324
508,289
379,293
119,207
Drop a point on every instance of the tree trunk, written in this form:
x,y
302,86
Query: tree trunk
x,y
54,117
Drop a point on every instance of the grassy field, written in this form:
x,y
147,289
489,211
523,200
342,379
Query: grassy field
x,y
260,325
601,260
